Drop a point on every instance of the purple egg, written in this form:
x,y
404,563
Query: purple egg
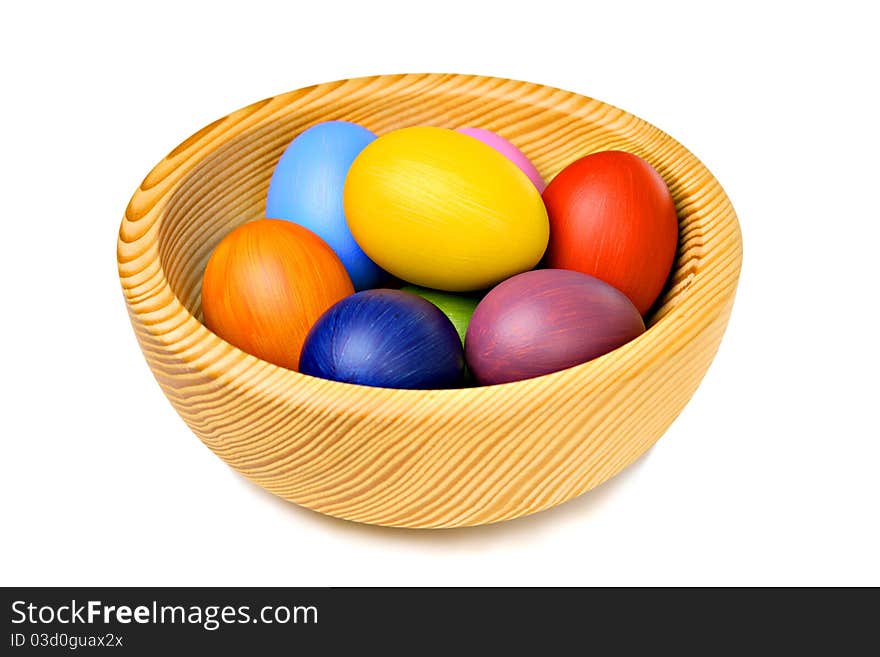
x,y
508,150
546,320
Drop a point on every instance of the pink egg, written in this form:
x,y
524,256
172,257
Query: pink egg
x,y
510,151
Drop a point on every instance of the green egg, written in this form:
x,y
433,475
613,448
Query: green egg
x,y
457,307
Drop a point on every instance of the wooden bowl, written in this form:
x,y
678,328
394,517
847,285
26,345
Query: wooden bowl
x,y
408,458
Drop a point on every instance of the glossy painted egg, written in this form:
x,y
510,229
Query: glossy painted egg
x,y
546,320
443,210
458,307
612,216
387,339
266,284
306,188
509,151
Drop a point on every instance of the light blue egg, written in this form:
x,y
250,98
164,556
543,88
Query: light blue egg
x,y
306,188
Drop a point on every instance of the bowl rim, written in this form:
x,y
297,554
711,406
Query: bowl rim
x,y
329,393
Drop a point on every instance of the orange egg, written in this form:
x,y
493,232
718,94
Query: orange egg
x,y
266,284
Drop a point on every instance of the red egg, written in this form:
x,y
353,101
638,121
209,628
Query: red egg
x,y
266,284
612,217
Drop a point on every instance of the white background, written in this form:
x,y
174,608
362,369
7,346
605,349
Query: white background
x,y
770,476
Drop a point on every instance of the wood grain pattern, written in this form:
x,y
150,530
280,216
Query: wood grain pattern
x,y
405,457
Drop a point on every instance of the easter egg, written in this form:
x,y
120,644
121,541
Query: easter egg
x,y
384,338
457,307
546,320
266,283
306,188
443,210
612,216
509,151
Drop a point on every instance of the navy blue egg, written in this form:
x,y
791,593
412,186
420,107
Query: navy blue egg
x,y
306,188
387,339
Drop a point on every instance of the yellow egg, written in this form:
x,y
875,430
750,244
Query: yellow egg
x,y
443,210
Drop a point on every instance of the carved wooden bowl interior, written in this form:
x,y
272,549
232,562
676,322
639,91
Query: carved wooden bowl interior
x,y
409,458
